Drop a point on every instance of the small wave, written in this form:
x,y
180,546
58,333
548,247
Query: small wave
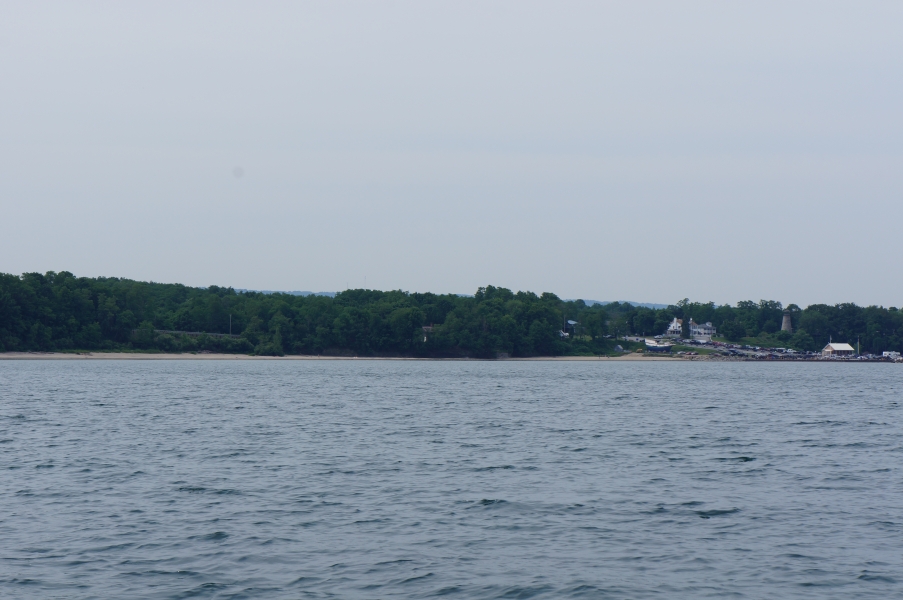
x,y
205,589
26,581
522,593
593,592
708,514
413,579
367,521
304,580
394,562
490,502
155,572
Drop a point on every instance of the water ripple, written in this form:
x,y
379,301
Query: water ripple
x,y
374,479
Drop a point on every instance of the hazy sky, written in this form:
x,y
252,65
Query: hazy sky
x,y
642,150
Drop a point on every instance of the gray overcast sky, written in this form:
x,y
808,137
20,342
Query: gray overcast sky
x,y
644,150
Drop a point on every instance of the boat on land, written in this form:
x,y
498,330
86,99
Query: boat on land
x,y
658,346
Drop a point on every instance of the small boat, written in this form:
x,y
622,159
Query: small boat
x,y
657,346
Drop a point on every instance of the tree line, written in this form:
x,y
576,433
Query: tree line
x,y
58,312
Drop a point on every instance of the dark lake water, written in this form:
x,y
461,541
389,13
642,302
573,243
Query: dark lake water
x,y
387,479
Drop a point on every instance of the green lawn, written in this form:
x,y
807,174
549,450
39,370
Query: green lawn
x,y
698,350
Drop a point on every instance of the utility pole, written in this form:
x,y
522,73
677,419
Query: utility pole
x,y
230,323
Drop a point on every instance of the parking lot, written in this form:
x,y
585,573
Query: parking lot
x,y
748,352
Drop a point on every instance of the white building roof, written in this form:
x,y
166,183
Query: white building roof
x,y
837,347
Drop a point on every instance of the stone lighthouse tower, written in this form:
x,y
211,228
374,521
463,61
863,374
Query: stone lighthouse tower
x,y
786,324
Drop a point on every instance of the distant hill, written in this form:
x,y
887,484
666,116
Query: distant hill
x,y
333,294
292,293
630,302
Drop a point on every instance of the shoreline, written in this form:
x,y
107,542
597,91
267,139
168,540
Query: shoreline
x,y
629,357
214,356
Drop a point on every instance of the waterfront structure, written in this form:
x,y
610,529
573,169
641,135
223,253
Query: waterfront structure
x,y
698,331
787,324
890,354
835,349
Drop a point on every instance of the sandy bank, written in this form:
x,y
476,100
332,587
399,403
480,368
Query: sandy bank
x,y
189,356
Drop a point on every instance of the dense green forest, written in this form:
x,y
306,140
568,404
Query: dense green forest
x,y
58,311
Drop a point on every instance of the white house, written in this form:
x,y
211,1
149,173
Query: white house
x,y
835,349
698,331
701,332
890,354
